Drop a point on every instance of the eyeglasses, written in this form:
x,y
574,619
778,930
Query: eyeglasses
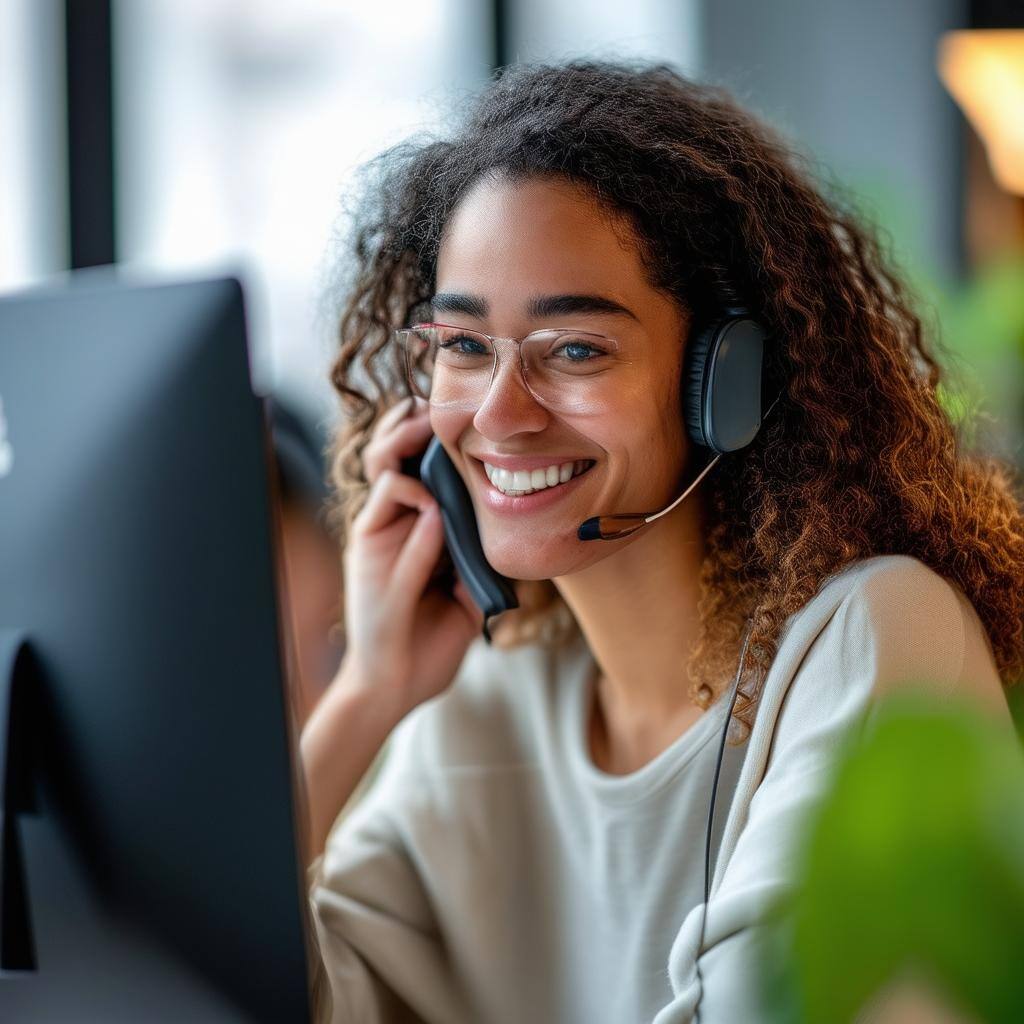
x,y
565,370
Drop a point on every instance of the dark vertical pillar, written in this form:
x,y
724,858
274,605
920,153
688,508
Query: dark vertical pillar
x,y
90,131
500,41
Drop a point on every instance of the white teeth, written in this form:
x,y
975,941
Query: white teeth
x,y
523,481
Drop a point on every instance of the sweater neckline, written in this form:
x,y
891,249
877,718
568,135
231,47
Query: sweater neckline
x,y
646,779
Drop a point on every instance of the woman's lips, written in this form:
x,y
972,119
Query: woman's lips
x,y
535,502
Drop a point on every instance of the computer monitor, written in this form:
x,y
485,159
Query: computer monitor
x,y
159,876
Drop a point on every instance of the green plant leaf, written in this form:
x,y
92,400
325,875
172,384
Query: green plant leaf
x,y
914,861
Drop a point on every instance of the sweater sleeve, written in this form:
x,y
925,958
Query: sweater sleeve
x,y
900,624
381,954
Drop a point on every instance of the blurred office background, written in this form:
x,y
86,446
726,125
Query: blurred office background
x,y
207,135
191,137
194,137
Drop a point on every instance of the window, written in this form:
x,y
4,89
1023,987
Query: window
x,y
239,123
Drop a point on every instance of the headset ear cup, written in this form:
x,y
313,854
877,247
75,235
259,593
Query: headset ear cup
x,y
693,383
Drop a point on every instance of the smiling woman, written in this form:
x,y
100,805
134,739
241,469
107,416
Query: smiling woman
x,y
521,246
543,282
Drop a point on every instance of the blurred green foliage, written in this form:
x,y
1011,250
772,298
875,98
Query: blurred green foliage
x,y
911,865
978,320
982,325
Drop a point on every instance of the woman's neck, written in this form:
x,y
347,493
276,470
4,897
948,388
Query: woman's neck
x,y
637,610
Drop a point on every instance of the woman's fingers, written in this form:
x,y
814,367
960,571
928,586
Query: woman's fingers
x,y
392,496
395,414
420,552
410,406
409,438
418,543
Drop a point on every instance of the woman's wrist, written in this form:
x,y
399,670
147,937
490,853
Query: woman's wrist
x,y
339,743
377,705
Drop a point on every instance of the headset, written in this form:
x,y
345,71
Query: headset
x,y
723,380
723,386
722,392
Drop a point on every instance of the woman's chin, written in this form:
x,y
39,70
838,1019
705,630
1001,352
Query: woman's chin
x,y
530,562
520,568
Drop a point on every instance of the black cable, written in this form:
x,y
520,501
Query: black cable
x,y
711,821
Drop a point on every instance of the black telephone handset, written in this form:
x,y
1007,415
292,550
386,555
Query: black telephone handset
x,y
492,592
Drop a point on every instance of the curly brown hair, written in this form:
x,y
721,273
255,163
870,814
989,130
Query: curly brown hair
x,y
859,457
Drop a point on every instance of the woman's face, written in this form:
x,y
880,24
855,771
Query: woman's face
x,y
506,245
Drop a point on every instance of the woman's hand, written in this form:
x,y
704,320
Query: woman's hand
x,y
405,640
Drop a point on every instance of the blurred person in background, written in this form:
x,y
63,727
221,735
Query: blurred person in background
x,y
533,848
310,585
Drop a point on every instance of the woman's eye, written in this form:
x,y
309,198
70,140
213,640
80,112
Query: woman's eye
x,y
463,343
578,351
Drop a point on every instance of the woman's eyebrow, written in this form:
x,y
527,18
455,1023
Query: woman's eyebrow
x,y
537,308
453,302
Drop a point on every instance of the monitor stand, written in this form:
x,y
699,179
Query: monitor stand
x,y
17,948
64,955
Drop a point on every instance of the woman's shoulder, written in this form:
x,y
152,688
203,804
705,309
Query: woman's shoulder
x,y
880,625
910,621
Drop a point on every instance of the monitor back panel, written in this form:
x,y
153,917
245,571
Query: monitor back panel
x,y
136,553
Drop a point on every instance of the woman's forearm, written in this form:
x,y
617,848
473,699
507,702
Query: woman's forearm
x,y
338,745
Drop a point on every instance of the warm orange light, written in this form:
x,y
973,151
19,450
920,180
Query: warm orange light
x,y
983,69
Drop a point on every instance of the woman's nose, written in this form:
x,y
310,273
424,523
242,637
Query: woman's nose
x,y
509,407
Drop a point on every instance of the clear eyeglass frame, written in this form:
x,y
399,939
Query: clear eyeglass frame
x,y
561,400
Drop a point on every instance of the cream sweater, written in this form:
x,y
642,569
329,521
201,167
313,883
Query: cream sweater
x,y
494,874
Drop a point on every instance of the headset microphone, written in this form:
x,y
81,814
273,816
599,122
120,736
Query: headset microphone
x,y
722,392
600,527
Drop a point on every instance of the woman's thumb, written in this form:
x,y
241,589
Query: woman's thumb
x,y
420,552
464,598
